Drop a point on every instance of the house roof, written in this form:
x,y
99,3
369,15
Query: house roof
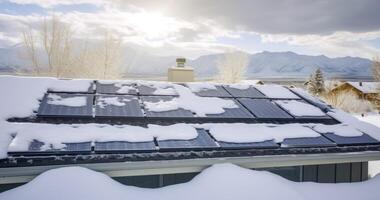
x,y
365,87
89,121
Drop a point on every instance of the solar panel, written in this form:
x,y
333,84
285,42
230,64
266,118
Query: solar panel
x,y
202,142
307,142
117,106
270,144
71,148
250,92
312,100
264,108
47,109
116,88
219,92
90,89
341,141
151,91
124,147
170,114
234,113
302,109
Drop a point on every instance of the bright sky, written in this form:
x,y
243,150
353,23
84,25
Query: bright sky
x,y
196,27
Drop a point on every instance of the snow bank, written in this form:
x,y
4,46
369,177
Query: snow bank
x,y
300,109
55,99
187,100
56,135
276,92
222,182
245,133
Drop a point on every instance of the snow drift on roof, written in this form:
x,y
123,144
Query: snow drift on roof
x,y
338,129
300,109
221,182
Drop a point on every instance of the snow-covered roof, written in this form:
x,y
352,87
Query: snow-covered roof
x,y
366,87
37,114
222,181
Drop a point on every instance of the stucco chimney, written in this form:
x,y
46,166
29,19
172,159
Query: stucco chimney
x,y
181,73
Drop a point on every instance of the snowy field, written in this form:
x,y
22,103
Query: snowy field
x,y
374,167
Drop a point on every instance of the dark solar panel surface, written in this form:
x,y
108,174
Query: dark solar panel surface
x,y
202,142
102,88
50,110
168,114
71,148
149,91
340,140
251,92
252,145
264,108
219,92
119,146
233,113
131,107
307,142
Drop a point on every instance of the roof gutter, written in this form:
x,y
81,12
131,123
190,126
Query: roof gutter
x,y
139,168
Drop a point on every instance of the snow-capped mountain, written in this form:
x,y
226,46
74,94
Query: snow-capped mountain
x,y
264,64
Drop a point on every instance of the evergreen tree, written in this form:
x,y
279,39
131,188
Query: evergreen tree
x,y
316,84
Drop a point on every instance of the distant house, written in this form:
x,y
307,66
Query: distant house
x,y
364,90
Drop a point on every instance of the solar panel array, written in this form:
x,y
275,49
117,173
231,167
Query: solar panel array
x,y
130,99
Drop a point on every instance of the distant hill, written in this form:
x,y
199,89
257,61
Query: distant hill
x,y
264,64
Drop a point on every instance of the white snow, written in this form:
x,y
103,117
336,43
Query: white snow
x,y
343,130
307,96
300,109
219,182
365,127
161,88
123,89
114,101
366,87
67,85
240,86
55,99
190,101
276,91
55,135
246,133
197,87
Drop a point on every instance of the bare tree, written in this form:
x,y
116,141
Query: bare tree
x,y
232,67
31,51
376,68
111,55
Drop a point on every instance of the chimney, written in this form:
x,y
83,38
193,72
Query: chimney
x,y
181,73
360,83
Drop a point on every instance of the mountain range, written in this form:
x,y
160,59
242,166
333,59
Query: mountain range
x,y
264,64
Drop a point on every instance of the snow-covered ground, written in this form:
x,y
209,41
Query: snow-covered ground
x,y
221,182
374,166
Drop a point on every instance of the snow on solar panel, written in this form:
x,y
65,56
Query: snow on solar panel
x,y
202,142
179,112
264,108
276,92
249,92
208,90
116,88
66,105
117,106
300,109
72,86
156,88
38,148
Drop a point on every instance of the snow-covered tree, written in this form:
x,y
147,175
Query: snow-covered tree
x,y
316,83
232,67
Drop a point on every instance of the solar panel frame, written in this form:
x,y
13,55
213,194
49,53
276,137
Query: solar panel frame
x,y
251,92
364,139
203,142
219,92
111,88
34,149
264,109
311,142
124,147
179,113
50,110
131,109
233,113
